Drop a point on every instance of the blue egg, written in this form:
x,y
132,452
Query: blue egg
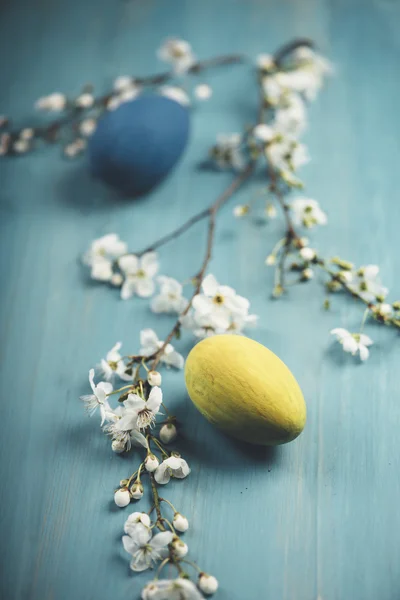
x,y
135,146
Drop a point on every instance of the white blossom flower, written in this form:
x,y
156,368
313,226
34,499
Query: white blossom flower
x,y
178,53
113,365
150,344
118,446
136,523
263,132
367,284
241,210
54,102
285,153
101,255
174,466
87,127
123,436
146,550
307,212
179,547
227,152
208,583
240,322
203,91
154,378
98,400
151,463
384,310
291,116
129,93
312,68
171,589
74,148
353,342
140,413
123,82
175,93
122,497
85,100
139,274
219,302
21,146
114,102
307,253
27,133
307,274
170,299
168,433
180,523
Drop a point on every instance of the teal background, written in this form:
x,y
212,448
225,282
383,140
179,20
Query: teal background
x,y
317,519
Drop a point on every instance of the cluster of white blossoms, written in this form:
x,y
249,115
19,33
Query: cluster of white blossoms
x,y
218,309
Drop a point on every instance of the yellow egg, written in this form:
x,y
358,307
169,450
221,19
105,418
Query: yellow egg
x,y
245,389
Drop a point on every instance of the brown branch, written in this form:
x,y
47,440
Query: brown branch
x,y
211,212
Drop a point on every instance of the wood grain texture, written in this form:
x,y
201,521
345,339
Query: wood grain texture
x,y
316,519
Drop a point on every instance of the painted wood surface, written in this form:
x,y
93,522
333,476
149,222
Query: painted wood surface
x,y
318,518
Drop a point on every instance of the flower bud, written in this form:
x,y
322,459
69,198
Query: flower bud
x,y
179,547
137,490
241,210
151,463
307,253
180,522
154,378
122,497
270,260
116,279
208,584
307,274
168,433
118,446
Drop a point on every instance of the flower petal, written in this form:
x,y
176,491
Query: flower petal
x,y
138,438
210,285
162,539
145,287
155,399
129,263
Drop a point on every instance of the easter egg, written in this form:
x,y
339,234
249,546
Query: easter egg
x,y
136,145
244,389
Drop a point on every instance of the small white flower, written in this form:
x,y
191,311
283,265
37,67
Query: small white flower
x,y
27,133
151,463
123,82
208,583
171,589
174,466
99,397
170,299
139,274
129,93
21,146
367,284
139,413
87,127
265,62
154,378
113,365
101,255
307,253
54,102
175,93
270,260
121,434
219,302
307,212
180,523
291,116
241,210
146,550
307,274
203,91
137,491
178,53
85,100
150,344
385,310
122,497
353,342
168,433
263,132
113,103
179,547
136,523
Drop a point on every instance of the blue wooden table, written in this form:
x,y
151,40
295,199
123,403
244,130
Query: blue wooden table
x,y
317,519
